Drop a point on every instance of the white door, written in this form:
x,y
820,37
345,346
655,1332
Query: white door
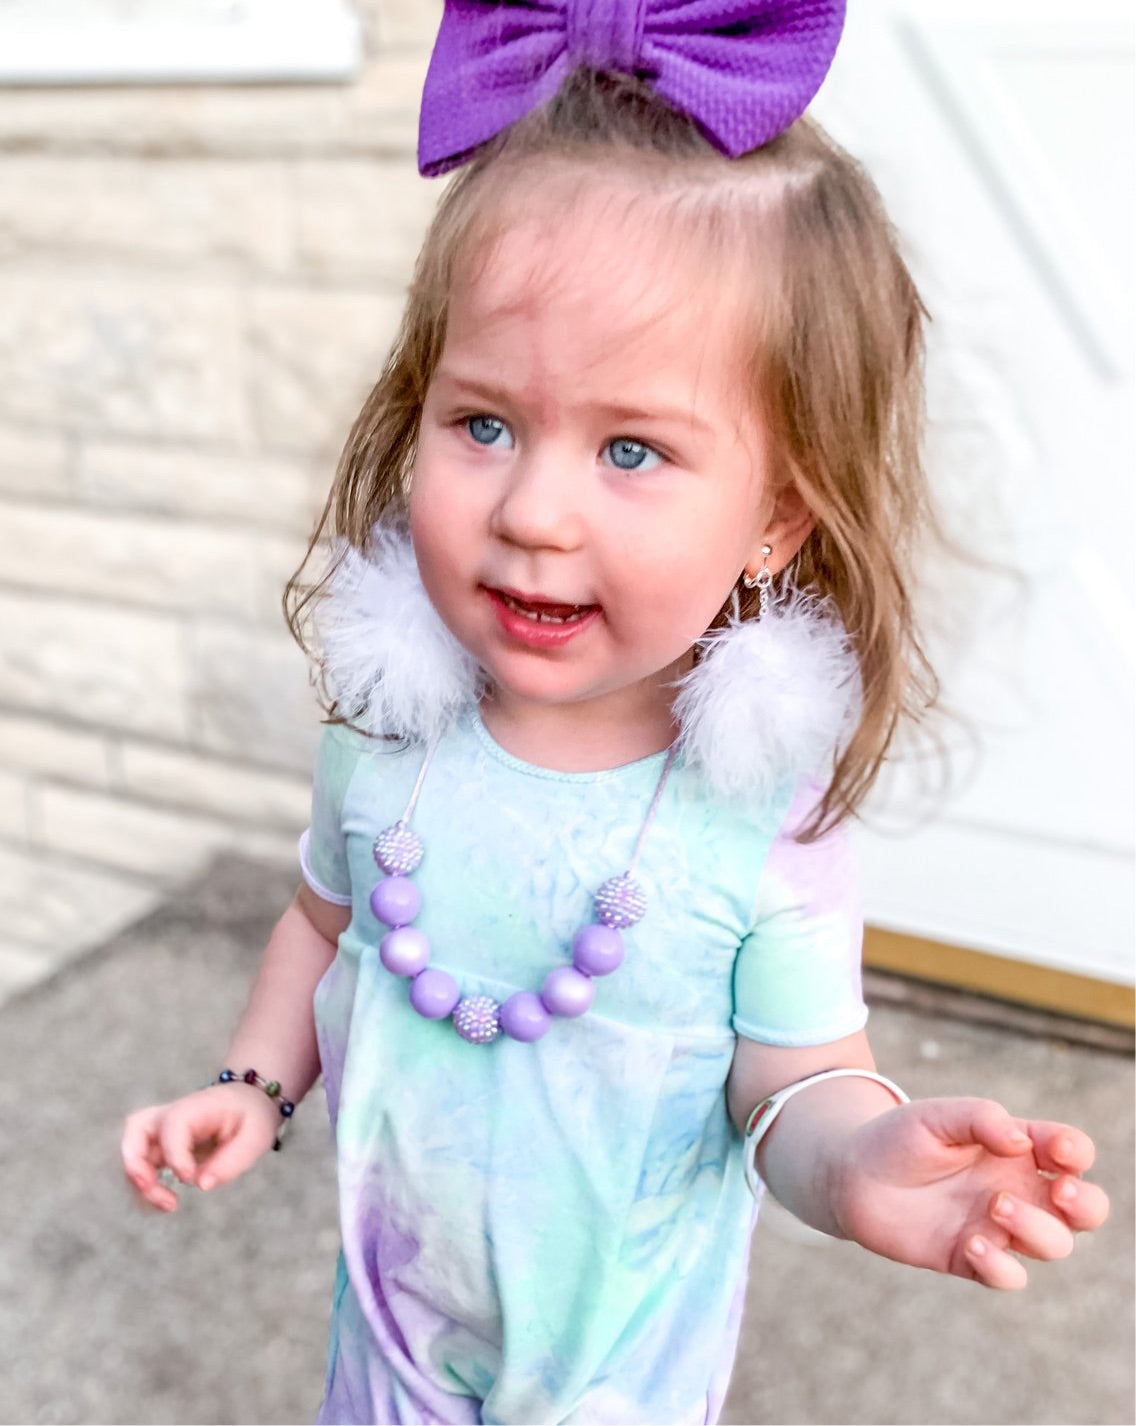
x,y
1002,137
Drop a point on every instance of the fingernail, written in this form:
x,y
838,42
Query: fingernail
x,y
1022,1141
976,1247
1003,1206
1063,1149
1067,1192
206,1182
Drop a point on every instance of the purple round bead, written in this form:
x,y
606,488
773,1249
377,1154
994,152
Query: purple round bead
x,y
567,992
596,949
395,901
434,993
523,1017
397,850
620,902
404,951
476,1019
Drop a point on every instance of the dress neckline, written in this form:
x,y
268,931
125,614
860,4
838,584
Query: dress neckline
x,y
651,763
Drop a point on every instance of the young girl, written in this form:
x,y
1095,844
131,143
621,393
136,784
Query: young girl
x,y
615,637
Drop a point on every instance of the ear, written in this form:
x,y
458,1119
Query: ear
x,y
789,525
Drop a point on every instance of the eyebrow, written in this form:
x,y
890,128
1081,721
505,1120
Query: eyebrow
x,y
499,395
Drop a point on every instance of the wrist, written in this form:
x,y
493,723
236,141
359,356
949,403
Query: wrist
x,y
850,1163
808,1167
270,1093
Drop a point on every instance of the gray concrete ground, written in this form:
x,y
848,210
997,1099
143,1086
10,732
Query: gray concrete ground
x,y
218,1313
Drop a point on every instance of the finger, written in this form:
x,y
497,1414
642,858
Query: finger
x,y
1061,1148
178,1133
1033,1230
1083,1205
157,1198
140,1155
993,1266
142,1177
983,1122
142,1158
231,1158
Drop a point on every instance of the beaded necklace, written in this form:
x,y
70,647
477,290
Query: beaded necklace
x,y
567,991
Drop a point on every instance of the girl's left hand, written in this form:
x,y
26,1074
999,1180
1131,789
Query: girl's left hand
x,y
958,1185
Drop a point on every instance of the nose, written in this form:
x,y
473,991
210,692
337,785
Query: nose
x,y
540,504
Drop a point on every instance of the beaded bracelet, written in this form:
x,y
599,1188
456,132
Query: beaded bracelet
x,y
271,1087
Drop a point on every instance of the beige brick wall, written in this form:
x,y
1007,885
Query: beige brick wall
x,y
199,285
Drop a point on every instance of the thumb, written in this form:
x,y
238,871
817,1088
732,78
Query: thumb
x,y
980,1121
233,1155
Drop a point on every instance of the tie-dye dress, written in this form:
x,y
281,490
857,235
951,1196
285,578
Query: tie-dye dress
x,y
558,1231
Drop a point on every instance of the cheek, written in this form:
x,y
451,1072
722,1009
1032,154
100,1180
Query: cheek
x,y
432,536
684,584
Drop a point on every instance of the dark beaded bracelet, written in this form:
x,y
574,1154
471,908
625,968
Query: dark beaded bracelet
x,y
271,1087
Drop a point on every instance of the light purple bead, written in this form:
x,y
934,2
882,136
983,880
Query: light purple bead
x,y
620,902
597,950
395,901
567,992
404,951
476,1019
434,993
523,1017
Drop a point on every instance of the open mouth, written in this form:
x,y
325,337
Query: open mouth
x,y
539,611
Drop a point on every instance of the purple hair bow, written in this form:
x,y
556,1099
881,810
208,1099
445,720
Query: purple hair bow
x,y
744,70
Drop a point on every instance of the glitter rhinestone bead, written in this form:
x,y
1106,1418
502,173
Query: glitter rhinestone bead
x,y
620,902
398,850
476,1019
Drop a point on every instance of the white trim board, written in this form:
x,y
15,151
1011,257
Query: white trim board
x,y
1046,903
222,42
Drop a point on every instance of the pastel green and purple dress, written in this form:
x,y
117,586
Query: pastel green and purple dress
x,y
557,1231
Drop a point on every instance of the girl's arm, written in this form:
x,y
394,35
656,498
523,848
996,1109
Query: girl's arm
x,y
213,1135
276,1034
954,1185
798,1163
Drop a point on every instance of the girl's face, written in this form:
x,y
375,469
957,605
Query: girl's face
x,y
590,478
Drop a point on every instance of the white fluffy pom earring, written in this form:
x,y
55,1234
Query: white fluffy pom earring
x,y
770,699
391,664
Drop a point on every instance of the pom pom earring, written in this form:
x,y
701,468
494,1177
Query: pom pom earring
x,y
770,699
389,661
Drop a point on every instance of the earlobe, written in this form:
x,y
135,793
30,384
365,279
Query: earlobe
x,y
789,526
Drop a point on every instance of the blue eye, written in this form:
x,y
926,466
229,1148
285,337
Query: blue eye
x,y
486,431
626,454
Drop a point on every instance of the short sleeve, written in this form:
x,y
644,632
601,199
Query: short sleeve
x,y
797,976
323,846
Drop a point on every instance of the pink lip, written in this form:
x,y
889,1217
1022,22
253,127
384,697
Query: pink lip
x,y
530,632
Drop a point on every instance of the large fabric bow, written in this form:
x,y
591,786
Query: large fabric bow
x,y
744,70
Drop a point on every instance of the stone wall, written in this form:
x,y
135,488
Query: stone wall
x,y
198,287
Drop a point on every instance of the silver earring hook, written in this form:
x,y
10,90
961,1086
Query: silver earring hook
x,y
761,581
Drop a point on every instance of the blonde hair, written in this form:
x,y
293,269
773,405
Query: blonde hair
x,y
834,360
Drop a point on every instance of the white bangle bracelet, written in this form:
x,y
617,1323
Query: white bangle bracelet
x,y
761,1120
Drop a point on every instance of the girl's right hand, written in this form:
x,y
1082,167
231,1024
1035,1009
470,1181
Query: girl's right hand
x,y
204,1139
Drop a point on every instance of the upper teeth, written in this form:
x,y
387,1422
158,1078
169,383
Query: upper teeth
x,y
541,618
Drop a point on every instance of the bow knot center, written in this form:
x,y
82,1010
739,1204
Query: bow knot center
x,y
605,34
